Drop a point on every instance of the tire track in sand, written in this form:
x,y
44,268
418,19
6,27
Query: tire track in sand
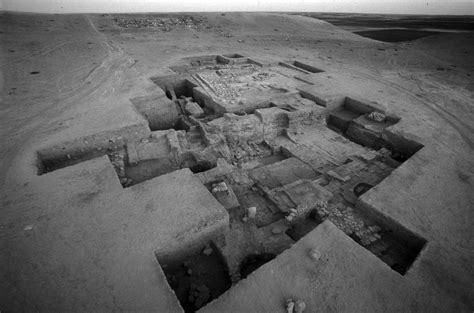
x,y
107,75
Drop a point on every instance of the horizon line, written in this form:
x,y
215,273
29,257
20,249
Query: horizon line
x,y
237,11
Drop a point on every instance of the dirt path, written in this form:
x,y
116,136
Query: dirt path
x,y
101,81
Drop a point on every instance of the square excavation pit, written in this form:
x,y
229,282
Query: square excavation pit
x,y
197,278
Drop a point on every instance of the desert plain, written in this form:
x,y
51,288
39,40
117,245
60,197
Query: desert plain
x,y
230,162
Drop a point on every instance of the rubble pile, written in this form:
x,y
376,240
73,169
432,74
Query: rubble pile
x,y
220,83
166,23
242,152
301,211
227,83
350,223
199,295
117,158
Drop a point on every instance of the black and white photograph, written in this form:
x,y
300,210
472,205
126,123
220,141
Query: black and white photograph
x,y
250,156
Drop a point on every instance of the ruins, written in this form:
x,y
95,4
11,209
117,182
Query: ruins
x,y
255,136
233,162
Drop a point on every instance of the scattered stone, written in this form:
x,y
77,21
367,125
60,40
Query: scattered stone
x,y
207,251
290,306
220,187
28,227
377,116
199,295
126,182
251,212
315,254
322,208
300,306
165,23
245,219
374,228
301,211
189,272
368,235
293,306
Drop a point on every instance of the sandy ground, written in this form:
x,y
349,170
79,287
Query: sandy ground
x,y
68,76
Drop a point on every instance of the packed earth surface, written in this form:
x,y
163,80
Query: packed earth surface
x,y
234,162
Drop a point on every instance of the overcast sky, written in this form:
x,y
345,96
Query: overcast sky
x,y
353,6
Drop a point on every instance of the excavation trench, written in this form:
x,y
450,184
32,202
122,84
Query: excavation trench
x,y
280,164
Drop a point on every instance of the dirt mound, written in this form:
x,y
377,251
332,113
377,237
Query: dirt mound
x,y
166,23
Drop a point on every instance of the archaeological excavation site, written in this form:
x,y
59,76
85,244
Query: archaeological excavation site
x,y
195,164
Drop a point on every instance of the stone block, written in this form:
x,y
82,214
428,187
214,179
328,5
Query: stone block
x,y
193,109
